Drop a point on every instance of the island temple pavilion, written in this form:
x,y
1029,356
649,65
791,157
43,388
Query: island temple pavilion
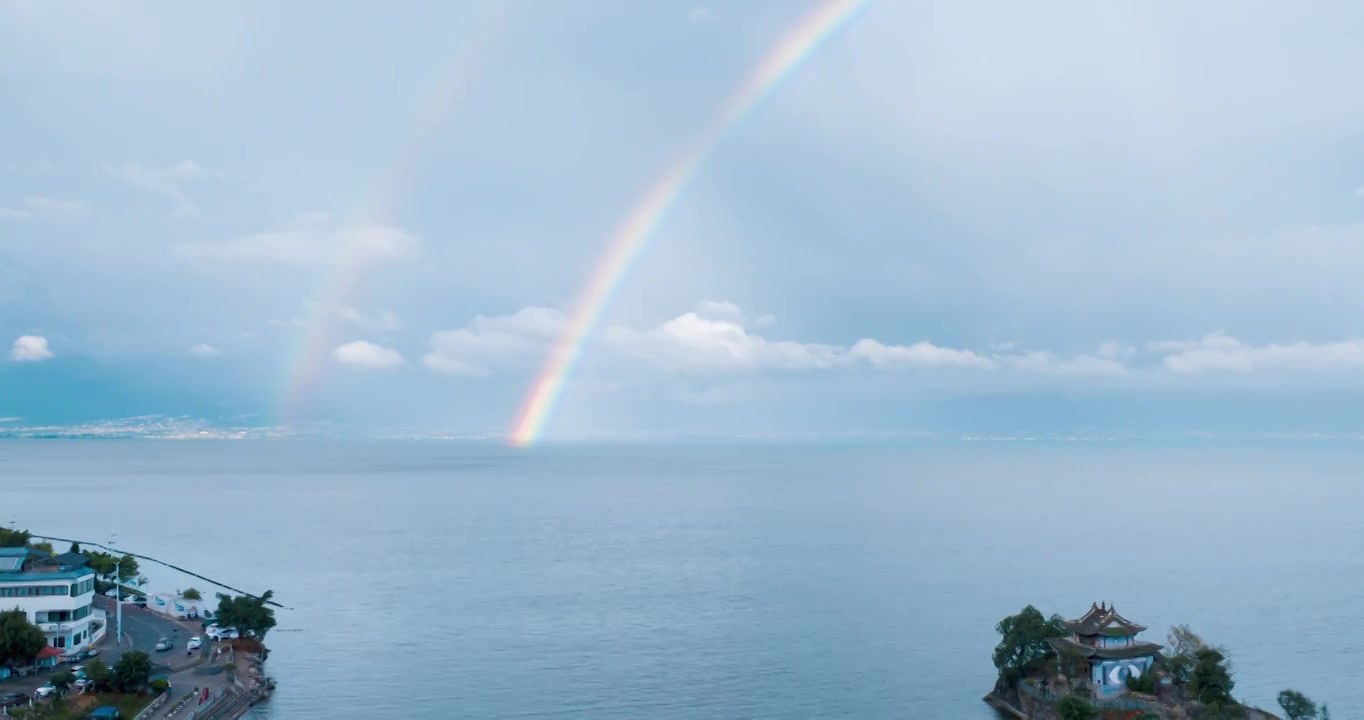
x,y
1109,641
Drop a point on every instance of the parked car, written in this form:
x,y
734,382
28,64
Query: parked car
x,y
9,700
164,644
91,652
228,633
211,631
47,690
78,670
194,643
84,682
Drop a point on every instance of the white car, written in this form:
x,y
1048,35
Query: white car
x,y
194,643
212,632
47,690
78,670
228,633
84,682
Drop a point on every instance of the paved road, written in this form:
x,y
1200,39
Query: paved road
x,y
144,627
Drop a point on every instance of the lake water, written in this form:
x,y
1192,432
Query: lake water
x,y
432,580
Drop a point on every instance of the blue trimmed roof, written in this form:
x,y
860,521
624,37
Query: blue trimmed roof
x,y
39,576
13,552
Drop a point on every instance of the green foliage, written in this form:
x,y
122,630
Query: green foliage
x,y
100,675
1073,708
1072,663
1023,643
191,594
132,671
104,564
45,547
63,680
1144,684
20,640
14,538
1325,713
75,547
1211,678
1297,706
160,685
246,612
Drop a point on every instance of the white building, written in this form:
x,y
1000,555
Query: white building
x,y
57,594
175,606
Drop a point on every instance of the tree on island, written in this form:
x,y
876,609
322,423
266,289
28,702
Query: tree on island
x,y
1210,680
132,671
1073,708
247,613
1297,706
1023,646
20,640
191,594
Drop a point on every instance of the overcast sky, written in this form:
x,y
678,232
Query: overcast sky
x,y
954,218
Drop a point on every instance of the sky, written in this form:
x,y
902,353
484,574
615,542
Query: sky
x,y
964,219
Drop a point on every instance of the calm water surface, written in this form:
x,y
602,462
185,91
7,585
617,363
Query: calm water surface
x,y
444,580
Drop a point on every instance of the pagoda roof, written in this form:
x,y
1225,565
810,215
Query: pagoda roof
x,y
1120,652
1103,621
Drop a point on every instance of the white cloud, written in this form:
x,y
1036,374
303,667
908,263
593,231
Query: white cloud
x,y
1050,363
367,354
310,240
713,339
54,206
39,206
384,320
490,344
1219,351
694,342
204,350
30,348
168,182
918,355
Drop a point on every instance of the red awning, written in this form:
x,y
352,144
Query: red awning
x,y
48,652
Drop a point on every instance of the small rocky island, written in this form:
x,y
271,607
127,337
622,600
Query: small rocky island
x,y
1098,666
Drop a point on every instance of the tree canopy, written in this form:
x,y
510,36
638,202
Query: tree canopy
x,y
14,538
1023,643
1297,706
104,565
1211,678
246,612
100,675
20,640
191,594
132,671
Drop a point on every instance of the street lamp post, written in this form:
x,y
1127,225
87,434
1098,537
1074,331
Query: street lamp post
x,y
118,601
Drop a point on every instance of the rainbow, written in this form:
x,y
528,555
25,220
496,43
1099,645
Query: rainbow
x,y
342,282
647,216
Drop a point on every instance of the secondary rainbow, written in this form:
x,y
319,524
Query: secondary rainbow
x,y
644,220
342,282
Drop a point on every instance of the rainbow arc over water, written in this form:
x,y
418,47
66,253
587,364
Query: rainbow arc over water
x,y
648,214
343,281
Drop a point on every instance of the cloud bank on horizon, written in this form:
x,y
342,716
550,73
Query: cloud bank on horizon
x,y
941,220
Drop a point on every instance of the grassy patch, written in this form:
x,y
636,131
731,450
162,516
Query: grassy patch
x,y
76,707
